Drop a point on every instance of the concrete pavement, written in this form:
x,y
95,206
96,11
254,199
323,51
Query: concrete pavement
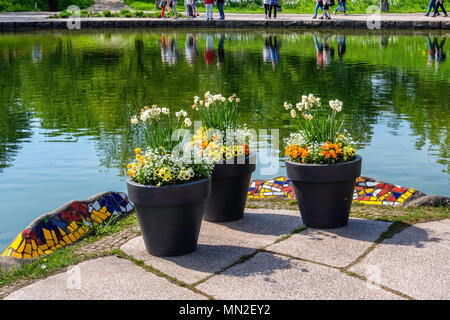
x,y
32,20
267,256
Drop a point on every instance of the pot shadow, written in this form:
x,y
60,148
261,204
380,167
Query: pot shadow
x,y
265,264
272,224
214,258
370,231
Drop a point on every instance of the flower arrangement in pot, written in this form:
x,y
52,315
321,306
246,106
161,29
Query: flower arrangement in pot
x,y
169,182
321,162
225,140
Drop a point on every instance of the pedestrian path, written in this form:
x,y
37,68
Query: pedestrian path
x,y
111,5
270,255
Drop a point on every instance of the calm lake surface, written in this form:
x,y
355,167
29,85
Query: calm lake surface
x,y
66,100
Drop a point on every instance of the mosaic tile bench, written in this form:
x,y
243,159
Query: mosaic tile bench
x,y
367,190
70,223
67,224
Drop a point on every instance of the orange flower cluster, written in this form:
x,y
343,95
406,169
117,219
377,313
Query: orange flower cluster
x,y
330,150
294,151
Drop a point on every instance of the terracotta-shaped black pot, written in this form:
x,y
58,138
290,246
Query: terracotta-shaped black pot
x,y
229,189
324,192
170,216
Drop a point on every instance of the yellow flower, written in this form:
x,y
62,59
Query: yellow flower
x,y
137,151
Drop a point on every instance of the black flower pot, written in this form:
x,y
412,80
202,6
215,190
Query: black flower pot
x,y
229,189
170,216
324,192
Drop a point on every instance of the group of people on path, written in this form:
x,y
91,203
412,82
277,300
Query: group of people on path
x,y
435,5
191,8
325,5
273,6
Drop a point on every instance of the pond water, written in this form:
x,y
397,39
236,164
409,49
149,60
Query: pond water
x,y
66,99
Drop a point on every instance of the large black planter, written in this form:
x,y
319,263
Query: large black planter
x,y
324,192
229,190
170,216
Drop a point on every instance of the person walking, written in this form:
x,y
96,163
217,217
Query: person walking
x,y
220,4
440,3
266,5
209,4
326,9
194,8
173,4
163,6
341,4
273,5
431,6
189,11
319,4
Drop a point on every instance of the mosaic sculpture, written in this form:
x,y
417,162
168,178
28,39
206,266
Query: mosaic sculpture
x,y
367,190
67,225
70,223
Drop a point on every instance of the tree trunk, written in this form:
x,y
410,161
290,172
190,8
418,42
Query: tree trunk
x,y
384,5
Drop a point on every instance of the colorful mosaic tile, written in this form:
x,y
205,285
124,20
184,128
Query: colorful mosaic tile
x,y
367,190
272,188
67,225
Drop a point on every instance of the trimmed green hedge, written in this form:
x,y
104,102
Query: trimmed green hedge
x,y
28,5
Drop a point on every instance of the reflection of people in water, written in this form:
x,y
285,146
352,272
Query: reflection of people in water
x,y
209,49
169,50
324,53
384,41
435,52
36,53
342,46
221,51
191,49
271,51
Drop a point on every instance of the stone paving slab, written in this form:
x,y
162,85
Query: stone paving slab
x,y
108,278
415,261
335,247
274,277
221,244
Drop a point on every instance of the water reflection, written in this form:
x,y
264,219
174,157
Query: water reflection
x,y
436,53
271,50
89,84
209,50
324,53
191,48
169,50
221,51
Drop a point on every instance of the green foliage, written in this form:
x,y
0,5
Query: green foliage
x,y
29,5
294,6
107,13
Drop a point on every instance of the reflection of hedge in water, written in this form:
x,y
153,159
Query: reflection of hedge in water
x,y
90,84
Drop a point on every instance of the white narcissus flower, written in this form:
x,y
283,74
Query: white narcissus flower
x,y
188,122
134,120
165,110
238,100
293,113
181,113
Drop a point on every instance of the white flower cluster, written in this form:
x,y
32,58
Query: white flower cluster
x,y
160,168
336,105
308,102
